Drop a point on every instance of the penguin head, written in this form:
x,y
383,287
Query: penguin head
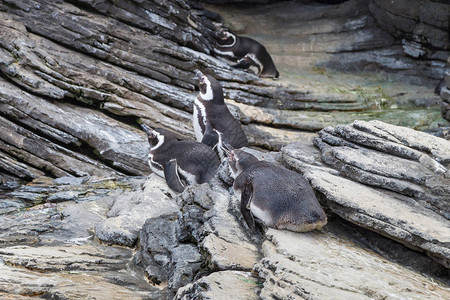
x,y
157,136
239,160
210,88
225,38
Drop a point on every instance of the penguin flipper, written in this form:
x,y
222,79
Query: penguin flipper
x,y
211,137
246,195
172,178
244,63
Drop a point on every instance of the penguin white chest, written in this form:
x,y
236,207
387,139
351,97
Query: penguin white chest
x,y
261,214
155,166
198,116
256,211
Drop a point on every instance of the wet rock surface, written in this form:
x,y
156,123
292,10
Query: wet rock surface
x,y
196,244
49,249
225,284
130,210
323,265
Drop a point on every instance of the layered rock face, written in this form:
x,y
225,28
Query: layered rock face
x,y
49,249
196,244
422,27
77,77
379,167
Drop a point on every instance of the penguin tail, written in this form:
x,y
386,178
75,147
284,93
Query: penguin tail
x,y
277,75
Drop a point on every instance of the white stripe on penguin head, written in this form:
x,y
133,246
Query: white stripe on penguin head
x,y
208,95
160,140
229,34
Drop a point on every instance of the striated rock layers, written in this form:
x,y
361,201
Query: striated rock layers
x,y
78,76
389,182
389,179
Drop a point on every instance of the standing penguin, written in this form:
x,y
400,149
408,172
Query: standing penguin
x,y
280,198
213,122
180,162
247,52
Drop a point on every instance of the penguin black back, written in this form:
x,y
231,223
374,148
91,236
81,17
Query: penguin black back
x,y
248,52
213,122
279,197
190,161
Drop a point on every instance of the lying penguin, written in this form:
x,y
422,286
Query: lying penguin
x,y
247,52
280,198
180,162
213,122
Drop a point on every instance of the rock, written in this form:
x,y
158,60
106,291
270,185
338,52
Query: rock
x,y
75,95
221,285
196,244
205,236
352,36
129,211
322,265
445,103
402,173
77,77
164,257
47,144
423,22
49,249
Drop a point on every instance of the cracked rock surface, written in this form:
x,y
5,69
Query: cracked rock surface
x,y
389,179
50,250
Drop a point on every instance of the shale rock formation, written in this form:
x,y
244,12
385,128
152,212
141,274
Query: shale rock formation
x,y
400,171
78,76
196,244
49,249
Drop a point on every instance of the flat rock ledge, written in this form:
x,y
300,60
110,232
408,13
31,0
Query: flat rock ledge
x,y
48,244
389,179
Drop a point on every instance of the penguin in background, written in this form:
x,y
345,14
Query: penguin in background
x,y
441,85
247,52
213,122
278,197
180,162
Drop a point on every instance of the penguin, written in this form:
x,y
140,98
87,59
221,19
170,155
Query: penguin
x,y
180,162
278,197
441,85
247,52
213,122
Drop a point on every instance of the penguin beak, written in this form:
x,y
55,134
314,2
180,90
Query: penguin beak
x,y
198,73
148,130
